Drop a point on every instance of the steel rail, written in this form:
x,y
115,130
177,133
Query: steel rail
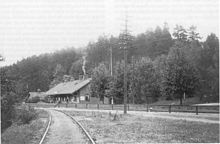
x,y
80,125
46,131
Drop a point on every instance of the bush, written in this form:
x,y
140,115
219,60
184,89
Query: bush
x,y
7,110
16,135
34,100
169,98
21,134
25,114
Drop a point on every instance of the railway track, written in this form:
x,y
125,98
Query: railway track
x,y
47,129
89,138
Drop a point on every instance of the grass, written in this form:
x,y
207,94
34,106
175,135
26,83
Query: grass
x,y
187,101
194,116
136,129
26,133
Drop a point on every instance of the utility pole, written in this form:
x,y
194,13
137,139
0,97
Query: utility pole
x,y
125,38
112,100
111,60
125,42
132,78
125,80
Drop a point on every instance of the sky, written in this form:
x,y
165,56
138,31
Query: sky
x,y
33,27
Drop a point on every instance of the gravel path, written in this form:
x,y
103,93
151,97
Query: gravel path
x,y
63,130
202,117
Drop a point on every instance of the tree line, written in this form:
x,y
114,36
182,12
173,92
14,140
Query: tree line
x,y
160,64
165,51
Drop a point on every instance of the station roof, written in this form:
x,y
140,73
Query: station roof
x,y
68,87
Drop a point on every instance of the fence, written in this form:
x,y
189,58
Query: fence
x,y
138,107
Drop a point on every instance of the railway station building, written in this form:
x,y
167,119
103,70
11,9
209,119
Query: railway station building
x,y
77,91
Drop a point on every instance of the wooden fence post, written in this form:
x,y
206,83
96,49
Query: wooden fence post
x,y
97,106
147,108
197,111
75,105
169,108
128,107
112,107
86,106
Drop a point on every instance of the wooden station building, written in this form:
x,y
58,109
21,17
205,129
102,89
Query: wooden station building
x,y
76,91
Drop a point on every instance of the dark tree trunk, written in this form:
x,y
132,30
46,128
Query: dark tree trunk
x,y
181,100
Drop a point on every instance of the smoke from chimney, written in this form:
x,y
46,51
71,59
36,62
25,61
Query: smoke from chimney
x,y
83,66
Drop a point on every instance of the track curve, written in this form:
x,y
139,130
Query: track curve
x,y
46,131
81,127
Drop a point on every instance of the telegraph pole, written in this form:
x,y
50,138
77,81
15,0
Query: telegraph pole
x,y
125,80
125,38
111,61
112,100
132,78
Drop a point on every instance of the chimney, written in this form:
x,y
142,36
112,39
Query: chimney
x,y
85,76
72,79
80,77
66,78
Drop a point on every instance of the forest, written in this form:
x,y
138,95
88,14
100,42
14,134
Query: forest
x,y
160,65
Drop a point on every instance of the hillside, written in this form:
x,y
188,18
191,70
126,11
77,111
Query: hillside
x,y
157,47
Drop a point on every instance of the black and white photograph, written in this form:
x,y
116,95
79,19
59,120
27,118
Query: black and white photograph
x,y
109,71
